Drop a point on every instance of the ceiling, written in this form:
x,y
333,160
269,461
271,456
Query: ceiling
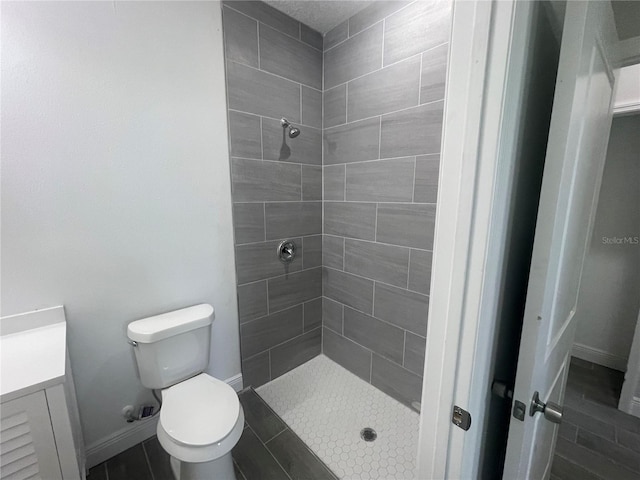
x,y
321,15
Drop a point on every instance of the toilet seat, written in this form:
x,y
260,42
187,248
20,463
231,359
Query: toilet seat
x,y
200,420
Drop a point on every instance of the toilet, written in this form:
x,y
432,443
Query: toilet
x,y
201,418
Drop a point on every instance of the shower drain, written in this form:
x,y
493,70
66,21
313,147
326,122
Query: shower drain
x,y
368,434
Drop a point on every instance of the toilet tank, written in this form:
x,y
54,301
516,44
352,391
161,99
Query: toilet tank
x,y
173,346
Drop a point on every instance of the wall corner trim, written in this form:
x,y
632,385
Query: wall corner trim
x,y
599,357
129,436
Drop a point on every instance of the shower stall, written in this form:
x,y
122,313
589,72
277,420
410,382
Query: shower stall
x,y
335,141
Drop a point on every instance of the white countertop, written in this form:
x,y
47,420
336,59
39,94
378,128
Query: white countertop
x,y
32,351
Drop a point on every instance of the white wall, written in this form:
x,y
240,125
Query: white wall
x,y
609,294
115,181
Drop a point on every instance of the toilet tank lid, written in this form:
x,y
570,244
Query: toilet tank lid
x,y
159,327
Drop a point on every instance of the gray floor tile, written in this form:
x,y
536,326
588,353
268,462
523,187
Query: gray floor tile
x,y
383,338
289,58
565,469
295,352
254,460
350,355
593,425
568,431
592,461
296,458
158,459
240,37
129,464
609,449
99,472
628,439
262,420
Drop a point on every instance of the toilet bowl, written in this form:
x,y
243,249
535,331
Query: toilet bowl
x,y
201,418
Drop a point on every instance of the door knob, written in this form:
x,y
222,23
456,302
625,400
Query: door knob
x,y
551,411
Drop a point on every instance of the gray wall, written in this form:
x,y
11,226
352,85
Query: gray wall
x,y
274,70
384,82
115,185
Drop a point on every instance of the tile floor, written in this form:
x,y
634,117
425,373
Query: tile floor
x,y
596,441
327,406
267,450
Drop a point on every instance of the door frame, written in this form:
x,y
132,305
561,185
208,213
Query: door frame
x,y
485,78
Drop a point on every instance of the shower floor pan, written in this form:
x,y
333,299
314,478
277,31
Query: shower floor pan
x,y
328,407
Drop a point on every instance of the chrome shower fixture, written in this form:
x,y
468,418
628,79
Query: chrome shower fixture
x,y
293,131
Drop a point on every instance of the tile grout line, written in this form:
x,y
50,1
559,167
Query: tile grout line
x,y
404,349
270,453
251,114
146,456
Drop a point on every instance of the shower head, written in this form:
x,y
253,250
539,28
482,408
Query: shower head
x,y
293,131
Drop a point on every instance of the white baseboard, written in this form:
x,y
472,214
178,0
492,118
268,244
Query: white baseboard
x,y
599,357
132,434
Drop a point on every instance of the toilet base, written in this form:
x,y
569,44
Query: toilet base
x,y
218,469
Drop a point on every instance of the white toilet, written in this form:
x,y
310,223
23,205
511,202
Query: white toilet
x,y
201,418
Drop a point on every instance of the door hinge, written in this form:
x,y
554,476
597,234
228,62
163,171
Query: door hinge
x,y
461,418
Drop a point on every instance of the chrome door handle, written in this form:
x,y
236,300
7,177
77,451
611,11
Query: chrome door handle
x,y
551,411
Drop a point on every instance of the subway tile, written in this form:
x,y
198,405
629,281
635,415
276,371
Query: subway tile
x,y
414,349
262,420
253,458
245,133
336,35
434,74
384,263
383,338
345,288
252,301
311,107
335,106
420,271
289,58
313,314
332,315
311,182
248,222
427,171
294,288
413,131
256,370
333,252
261,93
334,182
419,27
401,384
592,461
310,36
268,15
350,219
354,57
312,248
297,459
240,37
259,181
277,145
381,181
295,352
409,225
159,459
619,454
352,142
292,219
373,13
346,353
260,335
129,464
405,309
257,261
393,88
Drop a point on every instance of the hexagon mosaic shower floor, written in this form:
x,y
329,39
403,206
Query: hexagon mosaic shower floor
x,y
328,406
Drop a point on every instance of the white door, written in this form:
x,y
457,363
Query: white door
x,y
579,131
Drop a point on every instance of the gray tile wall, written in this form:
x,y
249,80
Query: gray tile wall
x,y
274,70
384,81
